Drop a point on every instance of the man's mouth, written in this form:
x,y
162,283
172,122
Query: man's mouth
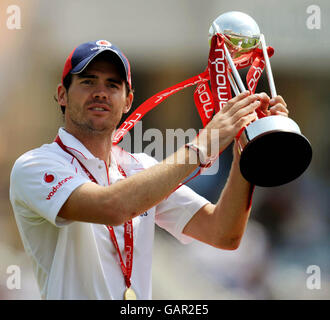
x,y
99,107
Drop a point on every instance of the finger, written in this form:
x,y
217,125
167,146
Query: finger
x,y
245,111
279,108
234,100
264,98
277,99
264,101
279,113
244,121
242,104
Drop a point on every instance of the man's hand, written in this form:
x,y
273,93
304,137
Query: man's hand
x,y
269,107
225,125
272,107
235,115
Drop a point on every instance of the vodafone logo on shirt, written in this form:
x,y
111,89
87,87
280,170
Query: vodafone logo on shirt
x,y
50,178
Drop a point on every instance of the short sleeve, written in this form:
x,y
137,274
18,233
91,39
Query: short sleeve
x,y
173,213
40,185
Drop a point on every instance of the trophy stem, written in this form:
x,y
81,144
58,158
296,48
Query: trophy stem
x,y
234,71
232,66
233,84
268,67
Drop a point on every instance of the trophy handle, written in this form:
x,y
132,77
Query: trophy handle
x,y
234,71
268,67
233,84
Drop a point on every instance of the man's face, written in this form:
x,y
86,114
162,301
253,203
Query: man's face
x,y
96,99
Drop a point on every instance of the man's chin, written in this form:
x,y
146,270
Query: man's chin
x,y
100,129
95,126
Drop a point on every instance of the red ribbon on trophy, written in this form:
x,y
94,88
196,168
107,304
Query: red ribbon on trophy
x,y
208,101
236,43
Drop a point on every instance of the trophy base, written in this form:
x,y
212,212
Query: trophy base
x,y
273,151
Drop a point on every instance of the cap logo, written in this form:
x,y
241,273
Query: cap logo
x,y
103,43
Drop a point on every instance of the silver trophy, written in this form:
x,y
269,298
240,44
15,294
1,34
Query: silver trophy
x,y
273,150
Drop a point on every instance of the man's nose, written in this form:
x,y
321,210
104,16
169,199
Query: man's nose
x,y
100,93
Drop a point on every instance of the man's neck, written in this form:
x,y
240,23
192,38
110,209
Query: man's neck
x,y
98,144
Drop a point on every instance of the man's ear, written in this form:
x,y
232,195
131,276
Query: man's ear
x,y
129,102
62,97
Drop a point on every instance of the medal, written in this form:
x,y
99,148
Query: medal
x,y
129,294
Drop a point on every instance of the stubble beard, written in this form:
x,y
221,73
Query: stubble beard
x,y
87,126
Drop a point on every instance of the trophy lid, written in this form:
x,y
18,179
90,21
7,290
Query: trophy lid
x,y
242,33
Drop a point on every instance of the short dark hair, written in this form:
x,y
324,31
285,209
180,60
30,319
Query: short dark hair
x,y
66,84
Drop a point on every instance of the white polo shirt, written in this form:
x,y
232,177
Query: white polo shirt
x,y
77,260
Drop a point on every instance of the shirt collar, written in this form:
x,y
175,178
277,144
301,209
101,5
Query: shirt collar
x,y
75,146
118,155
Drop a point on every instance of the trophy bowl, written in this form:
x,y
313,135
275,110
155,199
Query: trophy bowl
x,y
240,31
273,150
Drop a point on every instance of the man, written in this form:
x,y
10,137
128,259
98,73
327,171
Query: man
x,y
86,209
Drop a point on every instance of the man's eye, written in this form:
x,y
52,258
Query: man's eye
x,y
87,81
113,85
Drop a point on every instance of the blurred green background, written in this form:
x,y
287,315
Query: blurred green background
x,y
166,42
